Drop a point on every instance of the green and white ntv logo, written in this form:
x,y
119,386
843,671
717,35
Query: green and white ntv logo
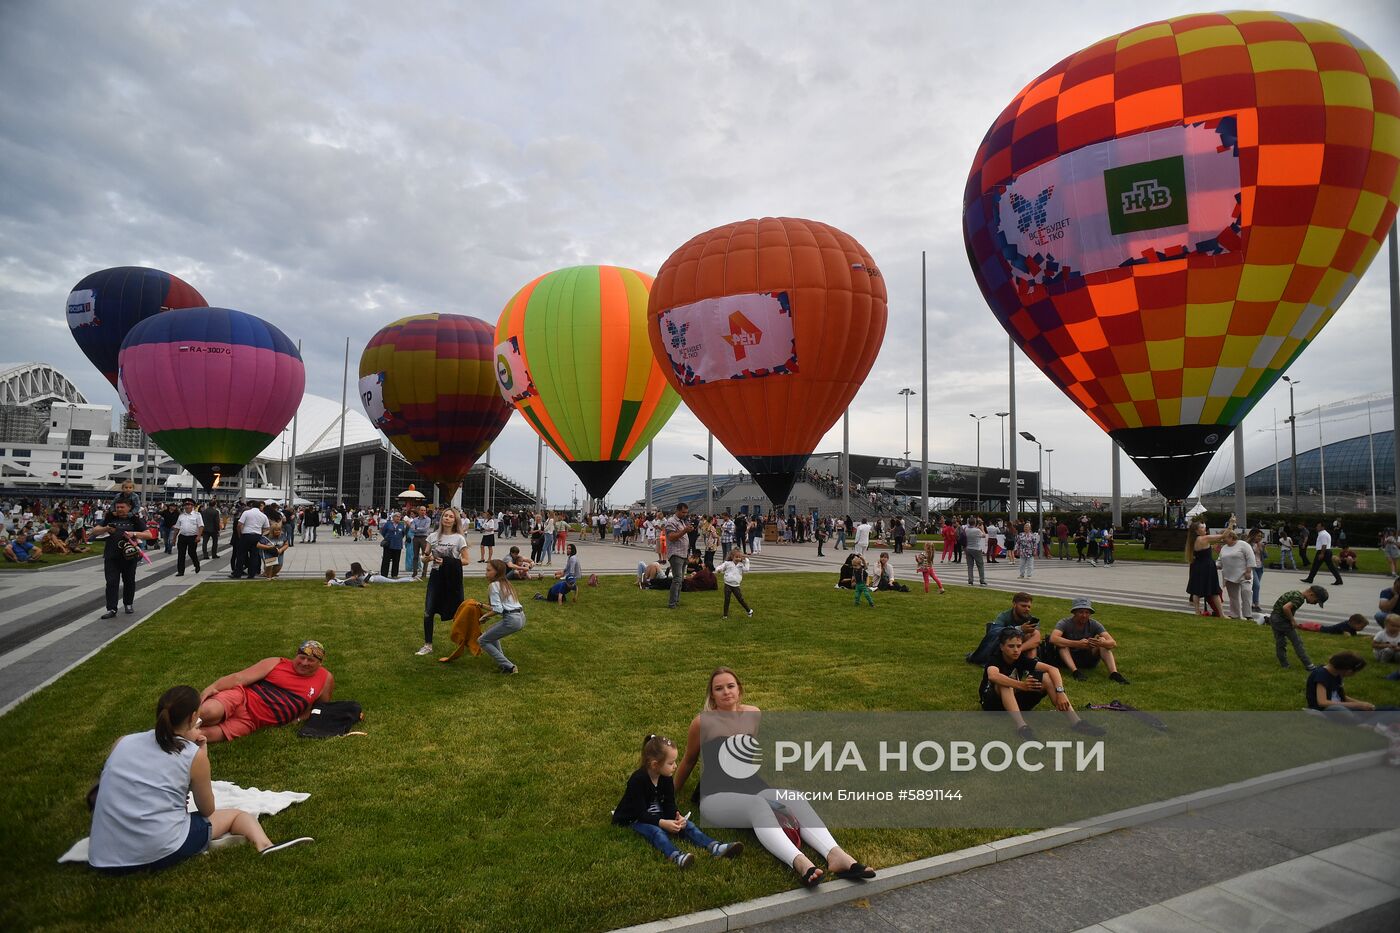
x,y
1146,195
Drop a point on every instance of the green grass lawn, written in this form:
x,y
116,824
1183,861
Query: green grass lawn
x,y
49,560
481,802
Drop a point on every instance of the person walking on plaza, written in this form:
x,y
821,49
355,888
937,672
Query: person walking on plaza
x,y
250,528
309,524
189,525
674,531
1027,543
168,513
1062,536
213,524
1322,555
391,543
975,549
120,555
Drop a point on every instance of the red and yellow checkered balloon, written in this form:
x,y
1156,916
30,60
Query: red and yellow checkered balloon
x,y
1164,220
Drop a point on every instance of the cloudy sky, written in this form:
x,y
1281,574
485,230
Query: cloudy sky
x,y
334,166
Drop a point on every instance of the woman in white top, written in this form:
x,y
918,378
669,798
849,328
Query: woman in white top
x,y
1236,570
444,594
140,820
506,604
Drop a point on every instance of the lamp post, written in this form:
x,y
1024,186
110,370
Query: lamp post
x,y
1040,465
709,478
1371,444
1049,471
1293,434
979,419
1010,480
906,392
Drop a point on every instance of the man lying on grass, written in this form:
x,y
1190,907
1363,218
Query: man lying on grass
x,y
273,692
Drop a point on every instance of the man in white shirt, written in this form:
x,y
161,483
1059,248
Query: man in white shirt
x,y
252,525
189,526
1323,555
975,550
862,537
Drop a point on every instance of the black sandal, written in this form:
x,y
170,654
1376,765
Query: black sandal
x,y
857,872
808,879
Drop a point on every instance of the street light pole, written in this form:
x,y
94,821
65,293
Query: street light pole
x,y
923,424
1039,470
1049,469
979,419
710,476
1277,504
1371,443
906,392
1293,435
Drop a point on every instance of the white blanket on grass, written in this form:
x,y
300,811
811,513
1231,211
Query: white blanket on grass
x,y
226,797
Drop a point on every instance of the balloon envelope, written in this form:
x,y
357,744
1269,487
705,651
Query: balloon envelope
x,y
572,354
212,386
429,384
767,328
1164,220
106,305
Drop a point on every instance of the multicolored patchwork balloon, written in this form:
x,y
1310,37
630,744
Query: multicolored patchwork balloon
x,y
767,328
429,384
1164,220
106,305
211,386
572,355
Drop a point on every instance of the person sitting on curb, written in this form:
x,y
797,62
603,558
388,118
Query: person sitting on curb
x,y
1351,626
1018,617
1014,682
273,692
518,566
1286,627
1081,642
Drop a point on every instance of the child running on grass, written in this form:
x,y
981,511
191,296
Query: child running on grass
x,y
733,570
860,580
650,794
924,565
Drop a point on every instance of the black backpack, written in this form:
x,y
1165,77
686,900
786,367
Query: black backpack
x,y
329,720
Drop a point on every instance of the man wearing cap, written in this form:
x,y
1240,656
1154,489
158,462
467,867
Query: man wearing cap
x,y
1082,642
273,692
189,526
1286,628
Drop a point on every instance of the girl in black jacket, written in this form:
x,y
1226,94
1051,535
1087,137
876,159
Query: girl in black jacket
x,y
651,794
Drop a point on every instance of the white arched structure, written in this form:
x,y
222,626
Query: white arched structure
x,y
36,383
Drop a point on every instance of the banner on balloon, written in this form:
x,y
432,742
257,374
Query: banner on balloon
x,y
372,397
1151,197
735,337
82,308
511,374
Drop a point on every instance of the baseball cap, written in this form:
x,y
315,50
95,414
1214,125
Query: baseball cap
x,y
1081,602
1321,593
312,649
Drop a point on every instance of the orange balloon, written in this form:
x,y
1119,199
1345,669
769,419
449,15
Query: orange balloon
x,y
766,328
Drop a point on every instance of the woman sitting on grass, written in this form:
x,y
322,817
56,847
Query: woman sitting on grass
x,y
845,579
651,794
139,819
726,801
566,580
1014,682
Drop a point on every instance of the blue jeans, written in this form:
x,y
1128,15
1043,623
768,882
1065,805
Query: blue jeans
x,y
1258,581
512,621
661,840
549,547
196,841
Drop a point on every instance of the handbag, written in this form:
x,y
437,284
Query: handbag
x,y
128,549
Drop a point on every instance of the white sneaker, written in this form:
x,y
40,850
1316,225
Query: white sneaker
x,y
426,649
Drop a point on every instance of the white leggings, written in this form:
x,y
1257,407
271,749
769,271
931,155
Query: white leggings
x,y
736,811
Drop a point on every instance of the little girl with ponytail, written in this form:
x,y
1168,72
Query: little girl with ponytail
x,y
651,795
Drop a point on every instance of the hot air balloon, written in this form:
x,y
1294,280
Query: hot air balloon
x,y
211,386
1164,220
572,354
106,305
429,384
767,328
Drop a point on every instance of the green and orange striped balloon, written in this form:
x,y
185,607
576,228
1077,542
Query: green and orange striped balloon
x,y
573,356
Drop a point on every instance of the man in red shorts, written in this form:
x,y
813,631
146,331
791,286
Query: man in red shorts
x,y
273,692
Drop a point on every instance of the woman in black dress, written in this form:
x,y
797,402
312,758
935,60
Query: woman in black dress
x,y
444,594
1203,582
